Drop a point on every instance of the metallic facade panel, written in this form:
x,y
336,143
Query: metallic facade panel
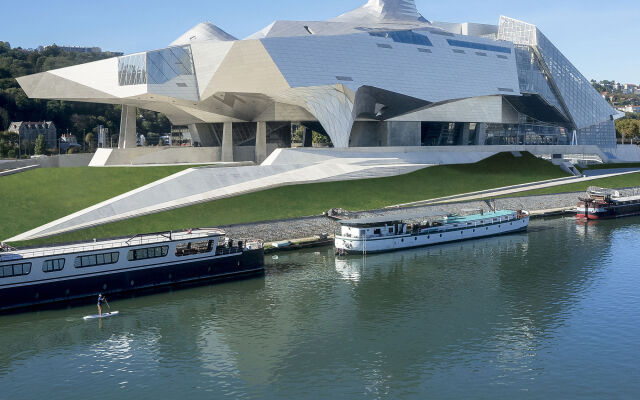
x,y
436,76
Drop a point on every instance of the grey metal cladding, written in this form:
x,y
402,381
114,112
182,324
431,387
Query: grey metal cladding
x,y
437,76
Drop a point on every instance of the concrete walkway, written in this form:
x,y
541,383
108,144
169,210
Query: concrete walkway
x,y
508,190
18,170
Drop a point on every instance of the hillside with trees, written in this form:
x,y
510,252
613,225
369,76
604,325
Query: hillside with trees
x,y
80,119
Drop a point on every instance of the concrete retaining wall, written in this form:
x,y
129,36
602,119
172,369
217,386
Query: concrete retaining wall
x,y
58,161
156,155
431,155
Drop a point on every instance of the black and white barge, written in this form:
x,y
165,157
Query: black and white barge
x,y
63,273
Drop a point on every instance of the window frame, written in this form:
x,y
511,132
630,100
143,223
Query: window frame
x,y
92,260
54,265
12,268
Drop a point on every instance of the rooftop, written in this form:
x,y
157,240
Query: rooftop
x,y
138,240
393,218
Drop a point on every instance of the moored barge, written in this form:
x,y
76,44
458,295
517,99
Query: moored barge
x,y
390,233
63,273
607,203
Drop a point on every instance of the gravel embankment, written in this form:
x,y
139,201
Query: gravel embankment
x,y
298,228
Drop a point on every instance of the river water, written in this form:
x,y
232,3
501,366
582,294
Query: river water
x,y
552,313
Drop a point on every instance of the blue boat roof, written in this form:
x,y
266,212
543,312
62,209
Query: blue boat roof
x,y
392,218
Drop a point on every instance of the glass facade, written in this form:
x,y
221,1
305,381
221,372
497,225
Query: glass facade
x,y
586,105
155,67
590,114
132,70
478,46
526,133
408,37
602,134
167,64
531,78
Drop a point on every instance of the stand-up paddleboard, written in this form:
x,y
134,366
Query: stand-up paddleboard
x,y
104,315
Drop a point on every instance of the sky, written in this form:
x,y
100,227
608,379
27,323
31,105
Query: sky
x,y
600,38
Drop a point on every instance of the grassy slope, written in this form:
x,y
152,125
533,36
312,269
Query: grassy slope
x,y
313,199
624,181
33,198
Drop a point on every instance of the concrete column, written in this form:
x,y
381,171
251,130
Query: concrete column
x,y
127,139
261,142
464,138
227,142
307,137
481,133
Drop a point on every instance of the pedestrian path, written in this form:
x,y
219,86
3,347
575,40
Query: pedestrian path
x,y
509,190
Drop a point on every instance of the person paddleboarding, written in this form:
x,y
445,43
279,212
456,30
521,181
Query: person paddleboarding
x,y
101,299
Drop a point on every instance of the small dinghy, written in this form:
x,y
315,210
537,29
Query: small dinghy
x,y
104,315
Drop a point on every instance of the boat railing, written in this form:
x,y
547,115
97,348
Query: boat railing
x,y
138,240
487,221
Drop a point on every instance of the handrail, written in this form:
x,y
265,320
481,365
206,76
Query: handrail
x,y
140,240
443,229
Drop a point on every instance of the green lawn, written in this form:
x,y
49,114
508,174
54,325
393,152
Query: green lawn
x,y
36,197
313,199
617,182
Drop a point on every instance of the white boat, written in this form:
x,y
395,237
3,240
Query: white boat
x,y
396,232
30,277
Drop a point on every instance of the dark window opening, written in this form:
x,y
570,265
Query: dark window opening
x,y
95,260
53,265
192,248
150,252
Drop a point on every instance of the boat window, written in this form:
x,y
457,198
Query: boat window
x,y
377,231
11,270
191,248
53,265
95,260
390,230
150,252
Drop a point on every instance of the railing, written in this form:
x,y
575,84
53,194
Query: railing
x,y
137,240
438,230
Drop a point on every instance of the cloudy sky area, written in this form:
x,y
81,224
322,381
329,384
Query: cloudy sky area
x,y
600,38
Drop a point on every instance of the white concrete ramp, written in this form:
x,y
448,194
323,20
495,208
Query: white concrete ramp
x,y
198,185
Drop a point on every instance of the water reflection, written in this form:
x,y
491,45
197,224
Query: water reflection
x,y
438,320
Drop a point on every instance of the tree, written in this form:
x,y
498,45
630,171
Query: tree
x,y
89,139
628,128
40,145
319,138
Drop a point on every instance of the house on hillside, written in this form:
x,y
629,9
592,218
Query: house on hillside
x,y
630,88
29,131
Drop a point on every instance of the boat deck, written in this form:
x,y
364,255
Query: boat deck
x,y
152,238
472,218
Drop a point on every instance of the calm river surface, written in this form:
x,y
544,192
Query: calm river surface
x,y
553,313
